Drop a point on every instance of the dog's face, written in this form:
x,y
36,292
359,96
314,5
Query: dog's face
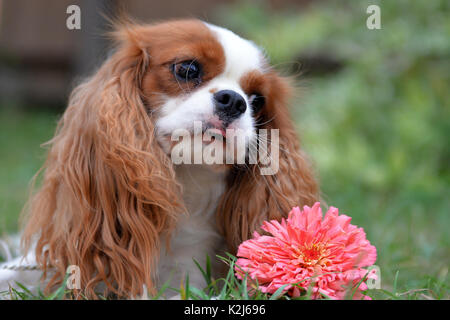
x,y
207,75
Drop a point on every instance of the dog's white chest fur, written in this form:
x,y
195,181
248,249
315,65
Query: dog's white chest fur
x,y
196,234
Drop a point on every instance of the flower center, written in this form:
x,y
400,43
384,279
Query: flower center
x,y
313,254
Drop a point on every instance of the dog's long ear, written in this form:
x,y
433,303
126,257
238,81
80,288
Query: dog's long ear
x,y
252,197
108,189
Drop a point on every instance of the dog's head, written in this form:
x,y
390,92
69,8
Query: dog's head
x,y
199,74
109,189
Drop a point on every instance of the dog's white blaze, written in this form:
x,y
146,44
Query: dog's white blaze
x,y
241,55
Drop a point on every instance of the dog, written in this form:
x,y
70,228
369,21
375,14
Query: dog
x,y
112,201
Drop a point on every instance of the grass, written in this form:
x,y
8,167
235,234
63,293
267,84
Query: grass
x,y
231,288
377,131
21,134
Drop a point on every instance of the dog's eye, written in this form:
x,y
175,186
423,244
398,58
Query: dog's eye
x,y
187,71
257,101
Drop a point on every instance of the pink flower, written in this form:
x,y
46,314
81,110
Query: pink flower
x,y
326,254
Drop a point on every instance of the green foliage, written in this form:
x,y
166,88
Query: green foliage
x,y
21,134
23,293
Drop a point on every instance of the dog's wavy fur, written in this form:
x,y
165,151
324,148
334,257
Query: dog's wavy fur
x,y
109,193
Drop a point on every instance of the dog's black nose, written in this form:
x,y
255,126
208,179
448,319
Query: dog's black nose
x,y
229,104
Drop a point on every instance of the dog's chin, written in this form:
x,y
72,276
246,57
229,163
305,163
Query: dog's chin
x,y
211,139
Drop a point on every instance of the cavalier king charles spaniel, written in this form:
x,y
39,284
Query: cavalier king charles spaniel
x,y
113,202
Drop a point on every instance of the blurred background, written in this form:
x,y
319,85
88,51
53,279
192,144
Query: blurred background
x,y
372,107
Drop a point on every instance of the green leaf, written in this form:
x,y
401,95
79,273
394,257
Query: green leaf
x,y
278,293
